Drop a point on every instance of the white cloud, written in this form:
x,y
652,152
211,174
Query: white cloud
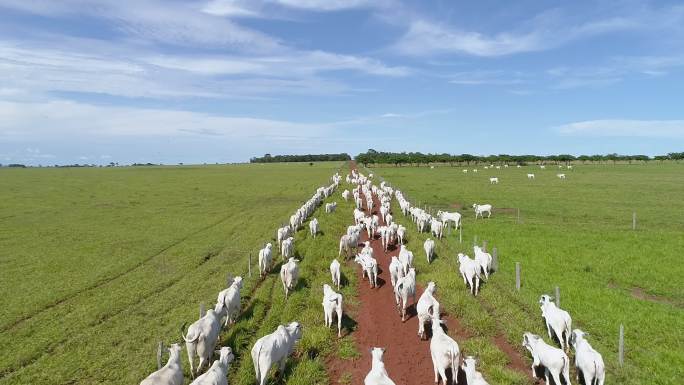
x,y
546,30
480,77
21,121
330,5
624,128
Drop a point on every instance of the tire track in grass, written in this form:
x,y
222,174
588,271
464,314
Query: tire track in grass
x,y
107,280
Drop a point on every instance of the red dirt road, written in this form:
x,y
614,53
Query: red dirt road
x,y
407,358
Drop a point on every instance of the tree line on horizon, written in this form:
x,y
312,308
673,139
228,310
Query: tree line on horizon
x,y
268,158
372,156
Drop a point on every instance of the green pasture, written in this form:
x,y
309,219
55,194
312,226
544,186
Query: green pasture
x,y
99,264
575,234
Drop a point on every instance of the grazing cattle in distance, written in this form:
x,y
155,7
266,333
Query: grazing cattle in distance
x,y
274,348
169,374
378,374
494,180
554,360
530,176
481,209
560,176
330,207
447,217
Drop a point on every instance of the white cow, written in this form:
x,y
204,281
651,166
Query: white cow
x,y
369,267
287,248
378,374
530,176
201,339
437,228
494,180
406,259
473,377
542,167
427,307
481,209
560,176
218,373
335,273
405,287
465,171
569,167
313,227
557,320
345,195
359,203
330,207
429,247
169,374
484,259
447,217
396,271
554,360
332,303
588,361
274,348
401,234
283,233
228,301
470,271
444,351
265,258
289,275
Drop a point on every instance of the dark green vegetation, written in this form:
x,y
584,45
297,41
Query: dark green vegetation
x,y
576,234
371,157
100,264
268,158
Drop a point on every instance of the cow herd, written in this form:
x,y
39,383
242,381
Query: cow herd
x,y
202,336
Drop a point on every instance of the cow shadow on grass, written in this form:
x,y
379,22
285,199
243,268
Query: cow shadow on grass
x,y
348,324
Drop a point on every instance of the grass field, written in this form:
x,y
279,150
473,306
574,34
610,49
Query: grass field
x,y
100,264
575,234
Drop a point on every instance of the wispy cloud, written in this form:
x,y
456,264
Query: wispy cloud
x,y
613,71
491,77
547,30
624,128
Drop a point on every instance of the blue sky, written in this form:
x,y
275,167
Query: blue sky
x,y
94,81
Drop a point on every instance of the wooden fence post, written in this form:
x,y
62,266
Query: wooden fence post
x,y
557,297
495,259
634,220
517,276
484,246
160,347
460,235
518,217
621,346
202,312
249,265
475,241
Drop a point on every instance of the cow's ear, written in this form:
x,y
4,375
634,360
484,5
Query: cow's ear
x,y
384,349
